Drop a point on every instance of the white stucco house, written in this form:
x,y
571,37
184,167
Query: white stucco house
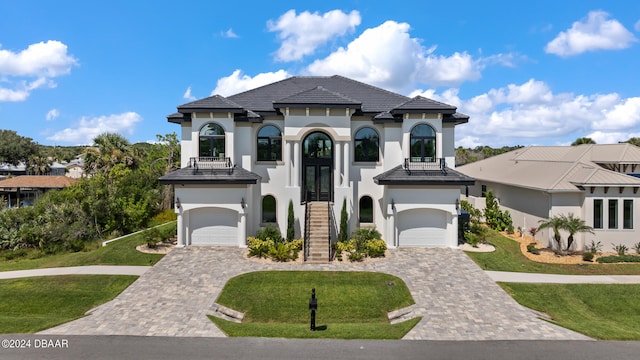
x,y
317,139
597,183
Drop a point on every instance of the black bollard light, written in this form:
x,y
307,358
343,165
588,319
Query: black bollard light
x,y
313,306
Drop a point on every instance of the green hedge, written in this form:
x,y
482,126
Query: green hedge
x,y
618,258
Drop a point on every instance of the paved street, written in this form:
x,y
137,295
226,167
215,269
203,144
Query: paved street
x,y
456,300
171,348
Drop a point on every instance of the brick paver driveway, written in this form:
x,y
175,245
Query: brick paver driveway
x,y
456,299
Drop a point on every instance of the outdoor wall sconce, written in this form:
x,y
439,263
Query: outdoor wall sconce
x,y
242,203
393,205
178,205
457,204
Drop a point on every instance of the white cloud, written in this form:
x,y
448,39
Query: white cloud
x,y
52,114
48,59
636,26
237,82
596,32
229,34
87,129
42,61
303,33
517,113
13,95
187,95
387,56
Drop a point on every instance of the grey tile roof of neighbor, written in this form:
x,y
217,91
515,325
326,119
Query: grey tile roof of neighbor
x,y
558,168
329,91
236,175
399,176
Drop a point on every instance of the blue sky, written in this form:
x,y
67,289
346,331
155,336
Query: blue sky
x,y
528,73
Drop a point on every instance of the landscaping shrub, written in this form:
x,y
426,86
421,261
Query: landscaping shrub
x,y
356,256
291,231
14,254
636,247
620,249
279,252
269,232
618,258
375,248
344,225
259,247
471,239
587,256
595,247
532,249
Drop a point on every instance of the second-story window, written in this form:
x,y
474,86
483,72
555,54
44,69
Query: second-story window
x,y
423,143
211,141
269,144
366,145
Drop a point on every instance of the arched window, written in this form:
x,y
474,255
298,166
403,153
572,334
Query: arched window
x,y
211,141
268,209
366,145
423,143
269,144
365,207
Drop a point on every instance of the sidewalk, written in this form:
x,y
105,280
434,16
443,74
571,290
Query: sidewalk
x,y
503,276
77,270
497,276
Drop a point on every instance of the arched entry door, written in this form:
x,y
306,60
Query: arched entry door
x,y
317,167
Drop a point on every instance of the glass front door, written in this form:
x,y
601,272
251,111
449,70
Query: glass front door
x,y
317,167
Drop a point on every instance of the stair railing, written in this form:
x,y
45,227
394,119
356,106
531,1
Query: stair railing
x,y
307,230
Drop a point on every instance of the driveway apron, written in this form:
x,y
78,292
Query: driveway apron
x,y
454,297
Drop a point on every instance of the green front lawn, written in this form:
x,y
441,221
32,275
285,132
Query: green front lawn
x,y
508,257
607,312
121,252
33,304
351,305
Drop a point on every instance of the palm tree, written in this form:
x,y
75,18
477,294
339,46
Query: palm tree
x,y
556,223
109,149
39,165
583,140
574,225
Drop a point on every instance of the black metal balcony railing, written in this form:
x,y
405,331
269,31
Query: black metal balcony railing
x,y
210,163
425,164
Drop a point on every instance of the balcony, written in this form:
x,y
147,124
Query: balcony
x,y
425,164
210,163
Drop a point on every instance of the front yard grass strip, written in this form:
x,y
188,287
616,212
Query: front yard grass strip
x,y
349,303
508,257
121,252
602,311
33,304
369,331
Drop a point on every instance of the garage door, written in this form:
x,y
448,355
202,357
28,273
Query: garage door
x,y
422,227
213,226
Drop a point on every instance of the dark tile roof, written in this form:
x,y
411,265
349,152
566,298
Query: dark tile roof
x,y
236,175
175,118
400,176
216,102
317,95
306,91
373,99
419,104
456,118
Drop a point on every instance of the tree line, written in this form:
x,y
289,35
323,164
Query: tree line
x,y
120,194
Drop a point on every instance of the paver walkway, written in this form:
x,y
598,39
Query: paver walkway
x,y
456,299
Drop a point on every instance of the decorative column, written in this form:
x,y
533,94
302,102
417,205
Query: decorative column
x,y
180,229
296,163
242,228
336,171
287,162
347,164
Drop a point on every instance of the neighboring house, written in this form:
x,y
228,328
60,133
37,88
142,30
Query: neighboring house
x,y
25,189
597,183
317,139
75,168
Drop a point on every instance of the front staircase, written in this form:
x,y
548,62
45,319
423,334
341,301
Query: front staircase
x,y
318,233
